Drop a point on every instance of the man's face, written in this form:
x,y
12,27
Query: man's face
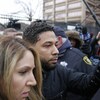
x,y
46,47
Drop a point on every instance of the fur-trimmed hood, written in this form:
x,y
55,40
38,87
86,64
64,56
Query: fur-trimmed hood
x,y
74,35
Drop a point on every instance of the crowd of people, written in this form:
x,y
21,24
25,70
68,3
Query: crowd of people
x,y
47,63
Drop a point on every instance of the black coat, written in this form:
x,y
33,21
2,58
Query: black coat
x,y
58,82
73,58
76,60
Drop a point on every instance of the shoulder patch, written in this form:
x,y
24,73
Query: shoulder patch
x,y
63,63
87,60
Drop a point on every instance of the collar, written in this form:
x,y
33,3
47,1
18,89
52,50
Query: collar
x,y
64,46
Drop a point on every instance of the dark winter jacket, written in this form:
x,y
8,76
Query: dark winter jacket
x,y
73,58
58,82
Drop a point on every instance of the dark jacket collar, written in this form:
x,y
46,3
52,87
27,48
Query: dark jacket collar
x,y
64,46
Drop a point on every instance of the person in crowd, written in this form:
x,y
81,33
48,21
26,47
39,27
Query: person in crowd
x,y
20,70
86,37
74,38
95,58
12,32
95,52
95,44
58,80
78,27
69,54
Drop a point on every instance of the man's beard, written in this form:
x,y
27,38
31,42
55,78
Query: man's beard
x,y
46,66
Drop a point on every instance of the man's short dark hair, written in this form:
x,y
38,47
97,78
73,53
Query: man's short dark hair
x,y
32,32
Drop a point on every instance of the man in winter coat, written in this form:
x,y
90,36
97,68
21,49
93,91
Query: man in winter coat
x,y
72,57
58,80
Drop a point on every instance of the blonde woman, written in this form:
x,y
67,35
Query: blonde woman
x,y
20,70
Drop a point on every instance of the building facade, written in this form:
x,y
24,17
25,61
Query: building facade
x,y
74,11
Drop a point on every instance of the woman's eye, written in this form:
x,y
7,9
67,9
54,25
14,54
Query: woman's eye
x,y
23,72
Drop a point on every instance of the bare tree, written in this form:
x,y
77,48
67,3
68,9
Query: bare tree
x,y
27,8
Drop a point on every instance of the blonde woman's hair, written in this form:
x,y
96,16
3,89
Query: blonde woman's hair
x,y
11,51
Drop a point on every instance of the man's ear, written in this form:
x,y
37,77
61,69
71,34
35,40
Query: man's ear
x,y
60,41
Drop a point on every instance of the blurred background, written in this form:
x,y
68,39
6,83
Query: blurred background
x,y
68,14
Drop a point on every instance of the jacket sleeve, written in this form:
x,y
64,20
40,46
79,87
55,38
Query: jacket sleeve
x,y
81,83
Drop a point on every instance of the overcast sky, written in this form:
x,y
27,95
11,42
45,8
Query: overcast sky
x,y
11,7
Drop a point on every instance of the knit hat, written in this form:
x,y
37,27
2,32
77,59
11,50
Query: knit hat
x,y
59,31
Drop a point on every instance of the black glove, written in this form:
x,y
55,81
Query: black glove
x,y
86,48
95,81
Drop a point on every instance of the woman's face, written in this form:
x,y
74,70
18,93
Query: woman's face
x,y
23,77
73,42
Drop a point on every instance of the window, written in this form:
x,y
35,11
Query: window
x,y
48,10
75,14
75,5
49,3
60,8
60,16
48,16
60,1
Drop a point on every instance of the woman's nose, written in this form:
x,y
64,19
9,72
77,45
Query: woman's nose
x,y
32,80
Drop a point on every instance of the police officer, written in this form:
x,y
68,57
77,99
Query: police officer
x,y
72,57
